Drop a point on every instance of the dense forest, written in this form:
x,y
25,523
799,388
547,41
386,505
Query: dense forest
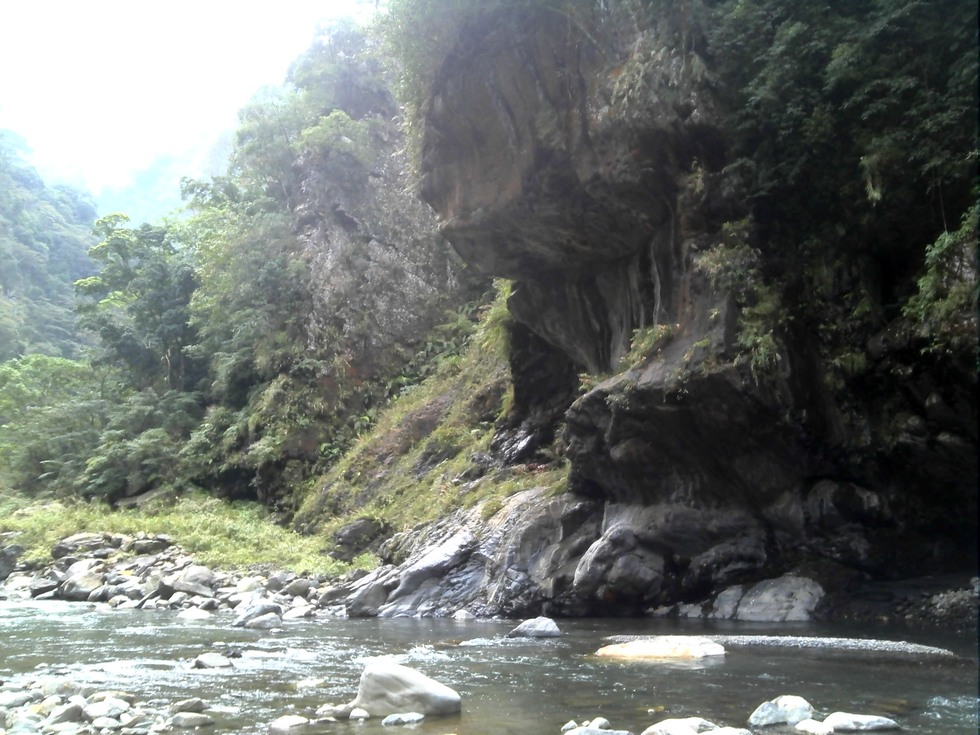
x,y
243,347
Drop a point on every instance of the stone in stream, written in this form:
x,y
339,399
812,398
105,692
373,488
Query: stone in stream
x,y
785,710
288,725
388,688
194,613
211,661
847,722
191,720
814,727
681,726
786,599
68,712
540,627
9,700
194,704
255,609
110,707
268,621
403,718
665,646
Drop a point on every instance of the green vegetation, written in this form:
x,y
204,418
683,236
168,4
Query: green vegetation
x,y
236,535
428,454
44,235
242,348
944,310
854,129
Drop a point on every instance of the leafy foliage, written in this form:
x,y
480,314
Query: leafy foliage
x,y
854,136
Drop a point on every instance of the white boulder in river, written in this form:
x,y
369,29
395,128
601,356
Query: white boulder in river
x,y
846,722
665,646
785,710
388,688
539,627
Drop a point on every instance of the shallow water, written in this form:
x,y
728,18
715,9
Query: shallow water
x,y
508,685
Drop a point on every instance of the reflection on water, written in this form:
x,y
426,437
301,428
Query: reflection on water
x,y
508,685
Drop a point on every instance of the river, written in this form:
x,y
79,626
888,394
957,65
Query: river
x,y
509,686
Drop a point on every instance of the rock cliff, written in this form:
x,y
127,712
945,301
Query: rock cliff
x,y
588,166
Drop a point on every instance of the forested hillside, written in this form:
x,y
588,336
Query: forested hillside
x,y
45,233
243,346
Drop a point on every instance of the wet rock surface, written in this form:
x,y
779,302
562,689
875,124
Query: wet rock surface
x,y
55,704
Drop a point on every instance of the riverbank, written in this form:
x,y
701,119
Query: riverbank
x,y
151,571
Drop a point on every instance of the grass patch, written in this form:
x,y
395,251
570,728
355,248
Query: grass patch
x,y
217,533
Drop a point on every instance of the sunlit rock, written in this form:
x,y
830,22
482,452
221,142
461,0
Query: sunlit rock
x,y
540,627
785,710
388,688
847,722
212,661
191,720
680,726
288,725
667,646
814,727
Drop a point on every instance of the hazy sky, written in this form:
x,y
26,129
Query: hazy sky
x,y
101,88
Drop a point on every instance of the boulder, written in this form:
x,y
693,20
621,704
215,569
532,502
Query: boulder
x,y
191,720
785,710
82,543
814,727
299,587
366,600
68,712
268,621
194,613
194,704
288,725
847,722
109,707
79,587
540,627
212,661
46,582
388,688
14,699
666,647
256,609
151,545
680,726
8,559
786,599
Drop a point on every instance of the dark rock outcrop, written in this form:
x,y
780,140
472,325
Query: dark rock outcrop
x,y
587,166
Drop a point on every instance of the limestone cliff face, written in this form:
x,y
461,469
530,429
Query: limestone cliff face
x,y
585,165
